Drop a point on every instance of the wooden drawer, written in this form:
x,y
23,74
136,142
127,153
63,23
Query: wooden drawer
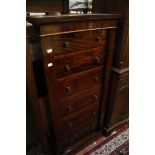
x,y
74,42
76,83
79,119
78,135
77,102
72,63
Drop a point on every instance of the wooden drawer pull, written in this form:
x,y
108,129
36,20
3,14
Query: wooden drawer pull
x,y
97,59
69,108
66,44
95,97
98,38
67,67
68,88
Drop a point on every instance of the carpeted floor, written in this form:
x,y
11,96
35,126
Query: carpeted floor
x,y
119,145
115,144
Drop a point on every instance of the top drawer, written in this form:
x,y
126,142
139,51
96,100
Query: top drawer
x,y
74,42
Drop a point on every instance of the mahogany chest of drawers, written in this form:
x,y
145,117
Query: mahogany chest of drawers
x,y
77,53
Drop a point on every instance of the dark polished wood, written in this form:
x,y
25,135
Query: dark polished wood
x,y
79,137
71,104
117,109
68,64
71,85
122,46
120,113
34,102
108,73
69,43
47,6
74,121
42,20
77,54
118,102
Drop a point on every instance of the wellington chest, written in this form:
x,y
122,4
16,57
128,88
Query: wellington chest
x,y
77,54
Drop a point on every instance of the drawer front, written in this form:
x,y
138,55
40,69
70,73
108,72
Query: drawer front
x,y
77,102
74,42
79,119
78,135
72,63
76,26
76,83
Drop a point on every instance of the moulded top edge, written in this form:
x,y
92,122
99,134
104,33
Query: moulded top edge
x,y
46,19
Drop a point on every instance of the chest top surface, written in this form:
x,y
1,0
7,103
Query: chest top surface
x,y
39,20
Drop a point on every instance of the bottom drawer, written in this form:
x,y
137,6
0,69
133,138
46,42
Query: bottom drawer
x,y
75,137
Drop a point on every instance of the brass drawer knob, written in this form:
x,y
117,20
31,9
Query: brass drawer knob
x,y
95,97
70,125
98,38
96,78
94,113
66,44
68,88
67,67
69,108
97,59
